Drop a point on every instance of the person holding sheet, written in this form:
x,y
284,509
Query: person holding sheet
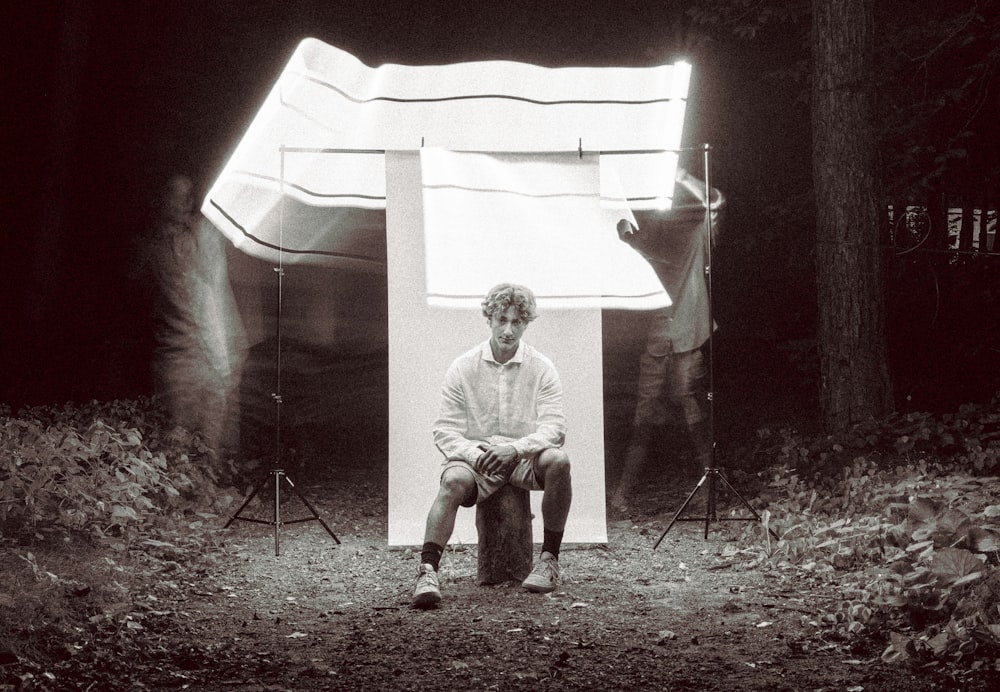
x,y
673,364
501,421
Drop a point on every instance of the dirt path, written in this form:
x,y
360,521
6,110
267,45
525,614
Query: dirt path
x,y
337,617
685,616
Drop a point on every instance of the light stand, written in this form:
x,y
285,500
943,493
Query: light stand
x,y
277,475
713,475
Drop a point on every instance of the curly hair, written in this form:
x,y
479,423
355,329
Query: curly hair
x,y
502,296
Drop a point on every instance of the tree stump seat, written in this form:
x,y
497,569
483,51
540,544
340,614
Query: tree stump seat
x,y
505,542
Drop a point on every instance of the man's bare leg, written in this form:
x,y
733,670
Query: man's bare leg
x,y
635,457
457,485
654,371
554,471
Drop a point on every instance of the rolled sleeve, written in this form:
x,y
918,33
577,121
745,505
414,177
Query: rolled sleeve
x,y
551,422
452,423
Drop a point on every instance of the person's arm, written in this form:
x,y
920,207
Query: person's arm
x,y
697,188
550,430
453,422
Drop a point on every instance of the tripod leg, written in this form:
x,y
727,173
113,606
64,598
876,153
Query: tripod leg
x,y
276,476
250,497
314,512
748,506
679,511
710,514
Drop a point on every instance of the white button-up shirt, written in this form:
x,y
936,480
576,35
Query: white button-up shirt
x,y
485,402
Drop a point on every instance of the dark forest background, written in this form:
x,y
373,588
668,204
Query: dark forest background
x,y
103,101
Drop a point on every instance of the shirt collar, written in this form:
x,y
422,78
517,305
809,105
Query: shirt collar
x,y
518,357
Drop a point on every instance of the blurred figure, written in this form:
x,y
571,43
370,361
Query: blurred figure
x,y
673,368
199,340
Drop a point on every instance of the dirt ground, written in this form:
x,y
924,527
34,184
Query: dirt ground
x,y
323,616
689,615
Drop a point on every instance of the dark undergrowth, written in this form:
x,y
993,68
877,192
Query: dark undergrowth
x,y
102,504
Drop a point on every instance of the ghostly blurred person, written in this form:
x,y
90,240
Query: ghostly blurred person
x,y
673,368
199,340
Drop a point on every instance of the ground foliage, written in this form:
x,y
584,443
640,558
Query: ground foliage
x,y
903,514
117,574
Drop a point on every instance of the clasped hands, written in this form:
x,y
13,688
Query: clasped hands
x,y
496,459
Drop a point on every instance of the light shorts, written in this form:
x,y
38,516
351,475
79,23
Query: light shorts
x,y
522,476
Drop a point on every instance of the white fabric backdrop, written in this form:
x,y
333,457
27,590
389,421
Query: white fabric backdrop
x,y
325,100
424,339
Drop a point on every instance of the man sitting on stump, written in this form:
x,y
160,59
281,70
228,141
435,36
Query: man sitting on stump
x,y
501,421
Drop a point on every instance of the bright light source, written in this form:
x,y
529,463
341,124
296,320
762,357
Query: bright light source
x,y
340,115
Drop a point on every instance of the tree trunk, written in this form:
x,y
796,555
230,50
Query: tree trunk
x,y
854,375
505,545
937,210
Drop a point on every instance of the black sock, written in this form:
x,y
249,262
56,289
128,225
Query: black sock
x,y
551,541
430,554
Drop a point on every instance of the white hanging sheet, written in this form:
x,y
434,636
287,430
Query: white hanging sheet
x,y
534,219
310,168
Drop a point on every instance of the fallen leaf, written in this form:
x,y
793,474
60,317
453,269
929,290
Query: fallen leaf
x,y
665,635
950,564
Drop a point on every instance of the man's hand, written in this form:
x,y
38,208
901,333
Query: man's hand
x,y
496,459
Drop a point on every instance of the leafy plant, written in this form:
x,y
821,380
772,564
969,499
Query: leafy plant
x,y
90,469
93,499
901,512
945,557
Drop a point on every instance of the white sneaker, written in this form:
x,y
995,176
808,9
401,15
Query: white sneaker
x,y
426,593
544,576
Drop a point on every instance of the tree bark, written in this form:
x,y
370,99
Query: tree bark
x,y
855,381
505,545
937,210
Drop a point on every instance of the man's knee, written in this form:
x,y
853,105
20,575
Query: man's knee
x,y
554,461
458,485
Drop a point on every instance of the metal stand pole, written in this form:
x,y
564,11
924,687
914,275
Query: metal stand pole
x,y
276,474
713,475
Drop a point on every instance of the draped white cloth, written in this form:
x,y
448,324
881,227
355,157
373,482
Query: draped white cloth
x,y
534,219
310,168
